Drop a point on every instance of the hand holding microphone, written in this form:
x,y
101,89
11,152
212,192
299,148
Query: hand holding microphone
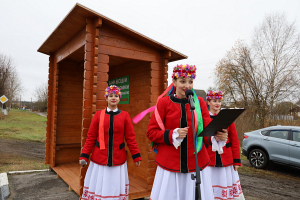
x,y
82,163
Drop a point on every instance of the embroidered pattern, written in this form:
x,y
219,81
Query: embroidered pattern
x,y
240,188
224,193
235,190
229,192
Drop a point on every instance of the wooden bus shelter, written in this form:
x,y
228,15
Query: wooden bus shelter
x,y
86,50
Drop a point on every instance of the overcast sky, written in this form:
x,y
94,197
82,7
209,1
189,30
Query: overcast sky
x,y
201,29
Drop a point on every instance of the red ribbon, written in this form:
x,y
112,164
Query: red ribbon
x,y
101,129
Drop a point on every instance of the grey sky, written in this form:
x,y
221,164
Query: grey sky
x,y
201,29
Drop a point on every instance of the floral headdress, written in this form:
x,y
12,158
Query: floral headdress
x,y
214,95
184,71
112,90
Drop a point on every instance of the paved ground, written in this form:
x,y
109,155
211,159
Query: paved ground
x,y
44,114
40,186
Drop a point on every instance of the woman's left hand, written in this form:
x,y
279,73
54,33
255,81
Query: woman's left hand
x,y
221,135
235,167
137,163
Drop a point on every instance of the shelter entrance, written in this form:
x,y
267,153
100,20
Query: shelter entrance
x,y
70,106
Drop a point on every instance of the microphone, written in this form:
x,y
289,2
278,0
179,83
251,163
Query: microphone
x,y
83,162
189,94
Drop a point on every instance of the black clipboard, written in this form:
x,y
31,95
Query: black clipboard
x,y
221,121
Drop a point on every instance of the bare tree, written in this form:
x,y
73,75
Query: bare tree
x,y
276,45
41,93
267,72
5,71
14,87
10,83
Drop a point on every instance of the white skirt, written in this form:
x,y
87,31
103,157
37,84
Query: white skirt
x,y
106,183
226,183
180,186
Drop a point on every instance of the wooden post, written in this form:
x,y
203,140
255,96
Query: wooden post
x,y
90,82
102,78
101,75
48,150
156,89
166,57
159,82
52,111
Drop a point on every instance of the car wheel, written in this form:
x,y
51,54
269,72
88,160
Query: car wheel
x,y
258,159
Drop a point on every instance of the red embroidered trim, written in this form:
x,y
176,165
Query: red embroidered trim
x,y
88,192
227,186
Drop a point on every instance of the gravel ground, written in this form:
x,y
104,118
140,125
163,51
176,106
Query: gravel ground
x,y
42,186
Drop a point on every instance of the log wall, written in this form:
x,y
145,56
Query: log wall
x,y
69,112
51,112
139,72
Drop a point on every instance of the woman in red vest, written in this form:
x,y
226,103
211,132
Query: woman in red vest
x,y
170,128
224,156
107,176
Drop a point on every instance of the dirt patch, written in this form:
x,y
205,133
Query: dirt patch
x,y
22,148
17,155
276,182
269,188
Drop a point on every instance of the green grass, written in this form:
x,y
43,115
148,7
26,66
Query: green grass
x,y
242,156
23,125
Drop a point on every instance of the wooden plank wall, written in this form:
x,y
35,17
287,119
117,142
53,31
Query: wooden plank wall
x,y
139,72
115,43
51,112
69,112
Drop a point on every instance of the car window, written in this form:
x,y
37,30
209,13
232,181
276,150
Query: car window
x,y
282,134
296,136
263,132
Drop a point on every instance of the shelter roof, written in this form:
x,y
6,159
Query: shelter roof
x,y
75,21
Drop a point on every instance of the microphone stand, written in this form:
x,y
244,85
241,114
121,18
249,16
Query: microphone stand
x,y
198,169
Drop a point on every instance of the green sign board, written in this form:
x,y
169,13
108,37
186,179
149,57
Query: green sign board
x,y
123,83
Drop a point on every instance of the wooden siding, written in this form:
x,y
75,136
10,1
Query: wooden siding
x,y
51,112
69,117
139,73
